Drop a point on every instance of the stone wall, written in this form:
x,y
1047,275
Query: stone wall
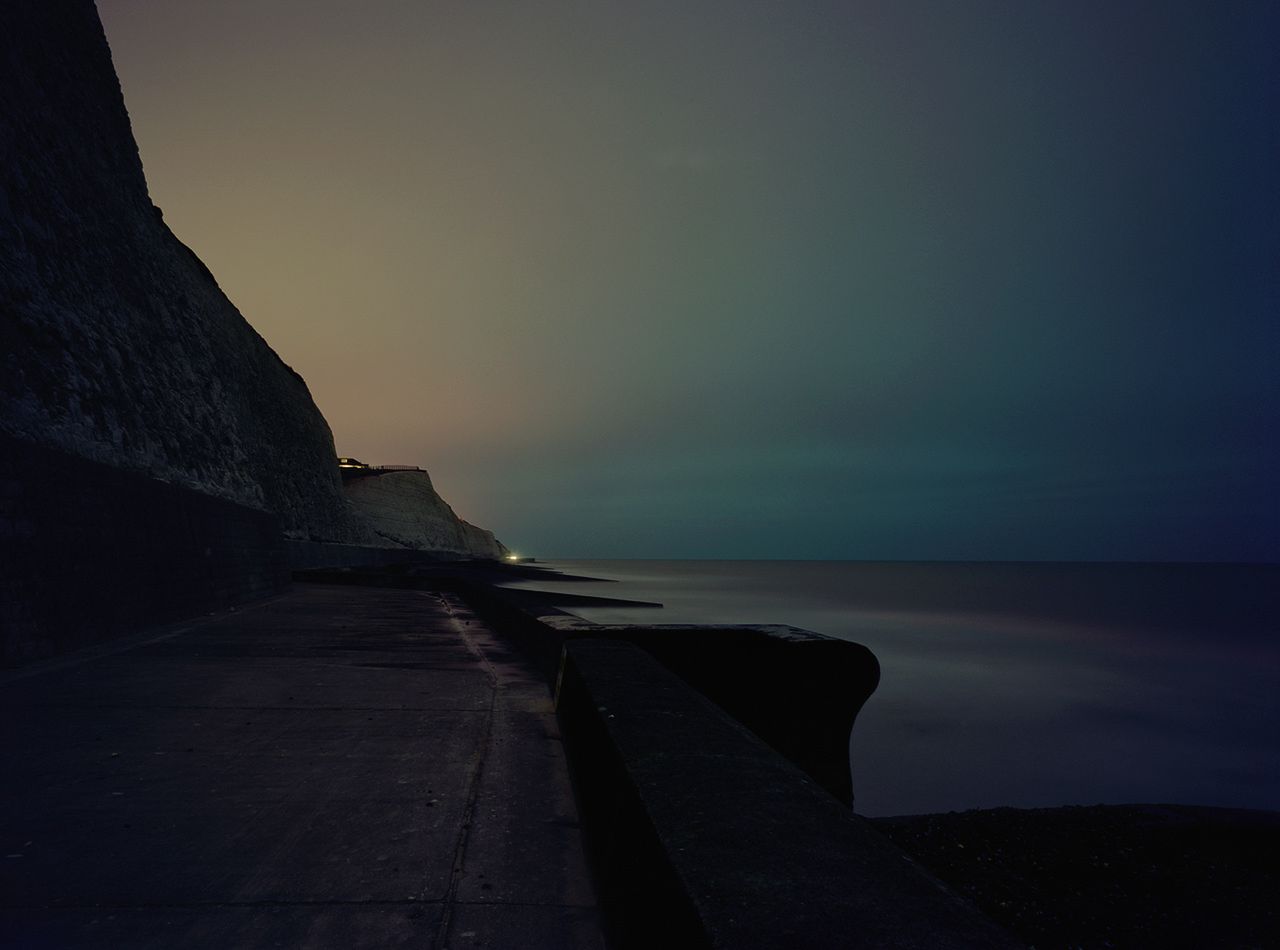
x,y
88,552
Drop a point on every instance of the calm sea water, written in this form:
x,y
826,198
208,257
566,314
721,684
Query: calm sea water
x,y
1019,684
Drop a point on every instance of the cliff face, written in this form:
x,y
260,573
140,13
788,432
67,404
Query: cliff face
x,y
116,343
403,509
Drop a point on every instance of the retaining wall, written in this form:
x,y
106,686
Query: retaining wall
x,y
88,552
316,555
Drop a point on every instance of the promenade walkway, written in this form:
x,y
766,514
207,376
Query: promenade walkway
x,y
335,767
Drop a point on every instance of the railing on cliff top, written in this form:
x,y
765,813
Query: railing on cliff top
x,y
349,470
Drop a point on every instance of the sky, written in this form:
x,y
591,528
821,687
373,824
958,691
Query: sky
x,y
747,279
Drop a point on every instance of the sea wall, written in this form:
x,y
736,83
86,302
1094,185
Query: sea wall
x,y
798,691
313,555
700,835
88,552
700,832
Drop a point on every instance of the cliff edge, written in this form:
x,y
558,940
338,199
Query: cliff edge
x,y
404,510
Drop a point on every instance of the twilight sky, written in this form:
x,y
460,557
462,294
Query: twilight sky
x,y
737,278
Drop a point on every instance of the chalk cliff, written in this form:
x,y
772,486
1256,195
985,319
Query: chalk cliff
x,y
116,343
404,510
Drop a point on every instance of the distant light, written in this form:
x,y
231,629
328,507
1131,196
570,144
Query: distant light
x,y
512,557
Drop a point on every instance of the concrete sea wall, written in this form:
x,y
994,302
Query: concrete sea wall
x,y
711,772
315,555
88,552
701,835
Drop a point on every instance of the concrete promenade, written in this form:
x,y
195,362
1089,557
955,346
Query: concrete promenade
x,y
334,767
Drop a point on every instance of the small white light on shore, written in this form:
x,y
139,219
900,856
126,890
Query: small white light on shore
x,y
513,557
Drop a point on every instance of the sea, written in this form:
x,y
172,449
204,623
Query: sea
x,y
1025,684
